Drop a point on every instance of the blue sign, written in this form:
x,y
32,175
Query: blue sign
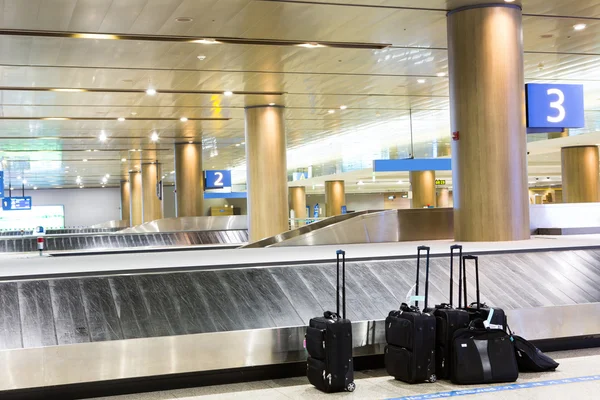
x,y
316,214
16,203
217,179
554,106
1,184
344,210
413,164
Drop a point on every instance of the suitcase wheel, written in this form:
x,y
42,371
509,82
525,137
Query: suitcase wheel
x,y
351,386
432,378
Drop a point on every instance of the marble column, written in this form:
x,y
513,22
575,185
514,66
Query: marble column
x,y
189,180
126,201
335,197
266,167
423,189
487,112
135,181
580,174
297,199
151,204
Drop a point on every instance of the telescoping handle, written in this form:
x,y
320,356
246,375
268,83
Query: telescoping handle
x,y
464,276
419,250
341,254
452,248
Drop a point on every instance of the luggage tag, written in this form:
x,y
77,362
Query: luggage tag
x,y
416,298
488,321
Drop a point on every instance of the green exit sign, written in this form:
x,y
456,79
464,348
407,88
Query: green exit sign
x,y
440,181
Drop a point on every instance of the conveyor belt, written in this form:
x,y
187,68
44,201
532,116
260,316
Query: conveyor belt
x,y
116,240
74,310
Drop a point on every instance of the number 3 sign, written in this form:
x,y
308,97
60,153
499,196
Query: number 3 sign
x,y
217,179
555,106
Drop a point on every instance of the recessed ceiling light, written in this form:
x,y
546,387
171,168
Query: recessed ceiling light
x,y
400,182
120,119
100,36
271,104
184,19
35,188
150,91
102,136
123,159
24,181
107,176
133,113
154,136
201,58
19,177
440,74
579,27
509,1
310,45
183,119
360,183
237,145
132,150
421,80
205,41
343,107
191,141
85,160
67,167
67,90
172,172
331,111
228,93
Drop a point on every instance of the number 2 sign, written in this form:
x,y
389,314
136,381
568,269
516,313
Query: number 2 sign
x,y
554,106
217,179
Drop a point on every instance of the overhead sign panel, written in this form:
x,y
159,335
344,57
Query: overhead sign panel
x,y
16,203
554,106
217,179
413,164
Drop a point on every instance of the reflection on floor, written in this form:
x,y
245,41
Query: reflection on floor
x,y
377,385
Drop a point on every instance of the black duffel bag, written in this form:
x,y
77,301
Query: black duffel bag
x,y
530,358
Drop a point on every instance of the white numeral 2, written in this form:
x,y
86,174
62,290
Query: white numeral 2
x,y
219,180
557,105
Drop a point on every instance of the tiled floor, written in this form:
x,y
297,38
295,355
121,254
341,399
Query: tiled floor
x,y
377,385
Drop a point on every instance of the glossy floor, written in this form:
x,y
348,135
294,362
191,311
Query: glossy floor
x,y
377,385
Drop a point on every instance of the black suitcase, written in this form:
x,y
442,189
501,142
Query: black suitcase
x,y
494,317
329,344
448,321
482,355
410,335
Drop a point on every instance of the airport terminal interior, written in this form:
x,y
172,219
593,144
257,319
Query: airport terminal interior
x,y
183,181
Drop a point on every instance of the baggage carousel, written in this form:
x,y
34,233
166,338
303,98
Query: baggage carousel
x,y
106,240
122,327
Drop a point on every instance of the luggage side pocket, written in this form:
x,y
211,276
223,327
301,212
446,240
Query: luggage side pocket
x,y
315,343
398,363
503,360
399,332
317,376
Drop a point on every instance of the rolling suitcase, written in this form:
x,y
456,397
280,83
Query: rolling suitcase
x,y
483,355
448,321
329,343
478,310
410,335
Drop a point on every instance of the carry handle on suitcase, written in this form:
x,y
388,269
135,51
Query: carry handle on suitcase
x,y
419,250
460,256
464,281
341,253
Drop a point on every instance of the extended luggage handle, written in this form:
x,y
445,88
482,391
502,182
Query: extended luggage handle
x,y
341,253
460,255
419,250
464,281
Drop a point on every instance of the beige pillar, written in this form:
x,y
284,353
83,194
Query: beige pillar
x,y
151,204
335,197
297,198
189,180
487,111
423,189
126,202
135,181
443,198
266,167
580,174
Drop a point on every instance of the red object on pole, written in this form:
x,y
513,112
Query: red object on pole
x,y
40,244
